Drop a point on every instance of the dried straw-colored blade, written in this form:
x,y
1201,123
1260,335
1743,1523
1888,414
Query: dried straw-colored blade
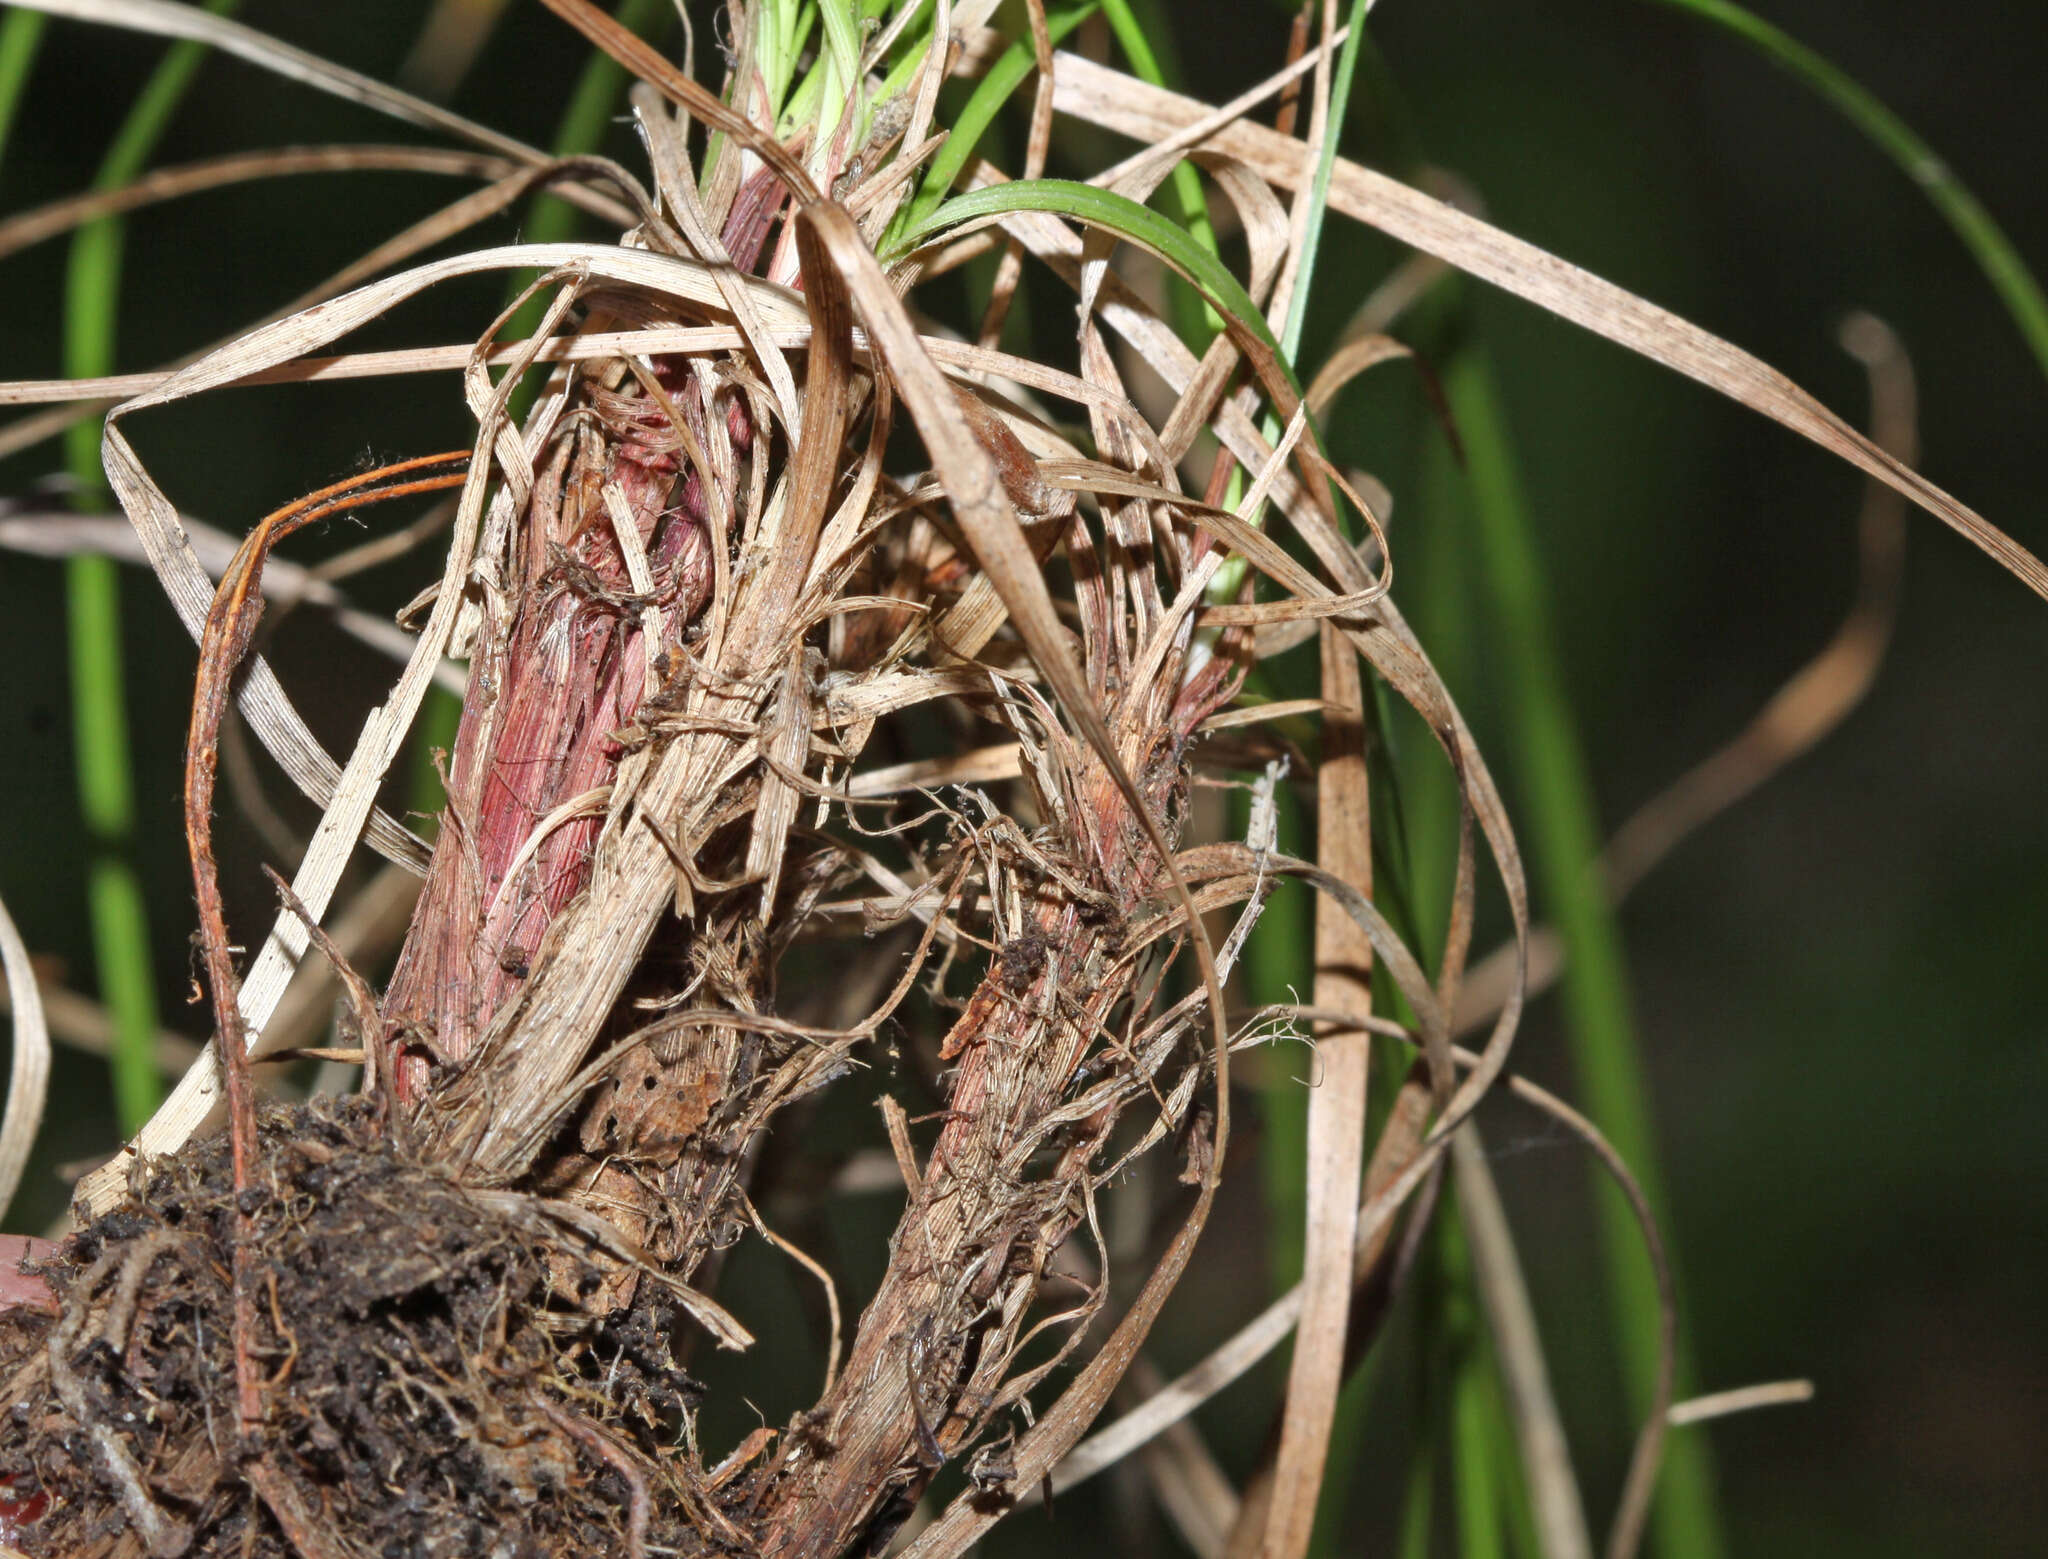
x,y
962,1522
449,41
976,493
1198,131
669,152
1633,1508
1260,714
1010,269
168,20
28,1077
1389,645
421,235
1266,1331
1115,101
1181,1396
1336,1115
365,930
161,184
1819,695
187,583
1308,209
84,1025
1191,1487
1384,639
1560,1515
1350,360
63,534
1057,1430
231,622
981,766
596,346
1742,1399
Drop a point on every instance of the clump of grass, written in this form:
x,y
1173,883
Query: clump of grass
x,y
745,688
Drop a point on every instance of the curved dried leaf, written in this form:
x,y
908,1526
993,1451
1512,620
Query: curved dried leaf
x,y
1119,102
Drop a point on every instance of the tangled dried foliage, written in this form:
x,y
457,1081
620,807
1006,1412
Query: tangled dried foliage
x,y
694,593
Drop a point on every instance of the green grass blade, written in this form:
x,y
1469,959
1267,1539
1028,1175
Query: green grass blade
x,y
1115,214
106,789
1418,1506
1428,1409
974,118
1563,833
21,32
1477,1455
842,39
1488,1499
1475,1475
106,801
1979,231
1347,1450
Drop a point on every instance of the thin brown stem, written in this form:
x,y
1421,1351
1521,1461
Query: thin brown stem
x,y
230,624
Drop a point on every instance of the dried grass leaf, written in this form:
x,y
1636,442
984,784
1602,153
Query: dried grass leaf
x,y
1336,1114
62,533
167,20
60,216
1115,101
28,1077
1559,1514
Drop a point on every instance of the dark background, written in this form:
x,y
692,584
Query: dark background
x,y
1833,981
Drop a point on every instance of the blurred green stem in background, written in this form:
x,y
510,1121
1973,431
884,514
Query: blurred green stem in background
x,y
1458,1416
106,786
1561,818
1418,1505
20,33
1479,1446
1561,825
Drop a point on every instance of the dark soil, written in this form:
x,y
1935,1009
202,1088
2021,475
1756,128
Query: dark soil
x,y
435,1385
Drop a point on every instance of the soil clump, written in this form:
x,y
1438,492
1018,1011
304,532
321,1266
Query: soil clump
x,y
433,1371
